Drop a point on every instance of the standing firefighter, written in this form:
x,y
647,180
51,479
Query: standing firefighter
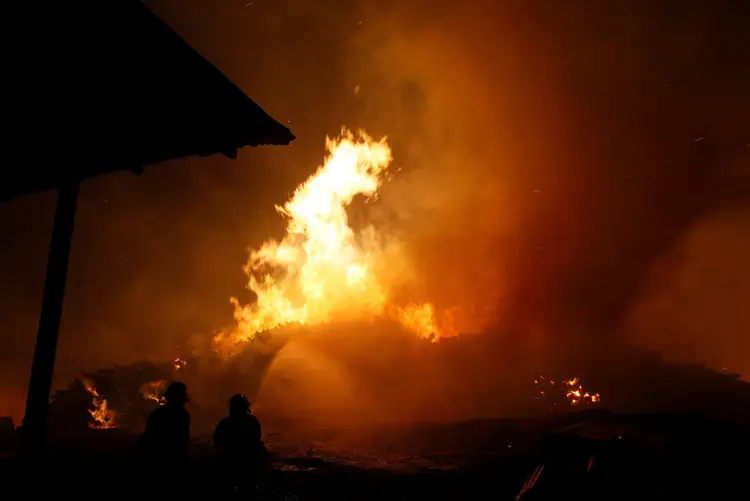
x,y
167,432
238,436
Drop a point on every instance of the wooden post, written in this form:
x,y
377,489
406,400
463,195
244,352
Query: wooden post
x,y
42,369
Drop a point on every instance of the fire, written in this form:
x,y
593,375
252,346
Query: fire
x,y
420,319
577,394
322,270
154,391
102,415
571,388
179,364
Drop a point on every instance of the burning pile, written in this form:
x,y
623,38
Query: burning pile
x,y
323,270
103,416
106,399
124,396
577,394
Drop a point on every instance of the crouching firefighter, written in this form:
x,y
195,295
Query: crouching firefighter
x,y
243,455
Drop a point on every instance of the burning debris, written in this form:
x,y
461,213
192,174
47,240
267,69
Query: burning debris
x,y
577,394
133,391
568,392
154,390
108,398
102,416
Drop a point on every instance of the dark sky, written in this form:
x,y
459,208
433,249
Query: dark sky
x,y
577,169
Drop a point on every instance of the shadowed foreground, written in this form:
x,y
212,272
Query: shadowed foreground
x,y
643,457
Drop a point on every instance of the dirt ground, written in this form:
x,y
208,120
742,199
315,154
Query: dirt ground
x,y
462,461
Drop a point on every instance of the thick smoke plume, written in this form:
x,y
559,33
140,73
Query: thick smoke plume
x,y
554,158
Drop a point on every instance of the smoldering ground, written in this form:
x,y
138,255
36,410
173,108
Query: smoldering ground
x,y
553,158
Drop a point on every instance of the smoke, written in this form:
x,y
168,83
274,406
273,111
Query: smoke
x,y
552,156
694,306
551,160
555,160
375,373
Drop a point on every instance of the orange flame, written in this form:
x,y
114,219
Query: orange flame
x,y
577,394
154,391
574,391
420,319
102,415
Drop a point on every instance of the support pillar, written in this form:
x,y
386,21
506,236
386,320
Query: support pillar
x,y
42,369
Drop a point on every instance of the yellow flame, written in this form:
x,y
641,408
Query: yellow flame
x,y
322,270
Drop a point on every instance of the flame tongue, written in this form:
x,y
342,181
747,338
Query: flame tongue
x,y
322,270
154,390
102,415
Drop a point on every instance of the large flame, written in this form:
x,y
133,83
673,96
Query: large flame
x,y
322,270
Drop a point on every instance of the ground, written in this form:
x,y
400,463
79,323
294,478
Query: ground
x,y
471,460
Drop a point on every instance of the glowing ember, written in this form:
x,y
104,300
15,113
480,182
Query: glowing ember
x,y
154,391
102,416
577,394
323,270
179,364
571,388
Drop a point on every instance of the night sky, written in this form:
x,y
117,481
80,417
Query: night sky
x,y
581,169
